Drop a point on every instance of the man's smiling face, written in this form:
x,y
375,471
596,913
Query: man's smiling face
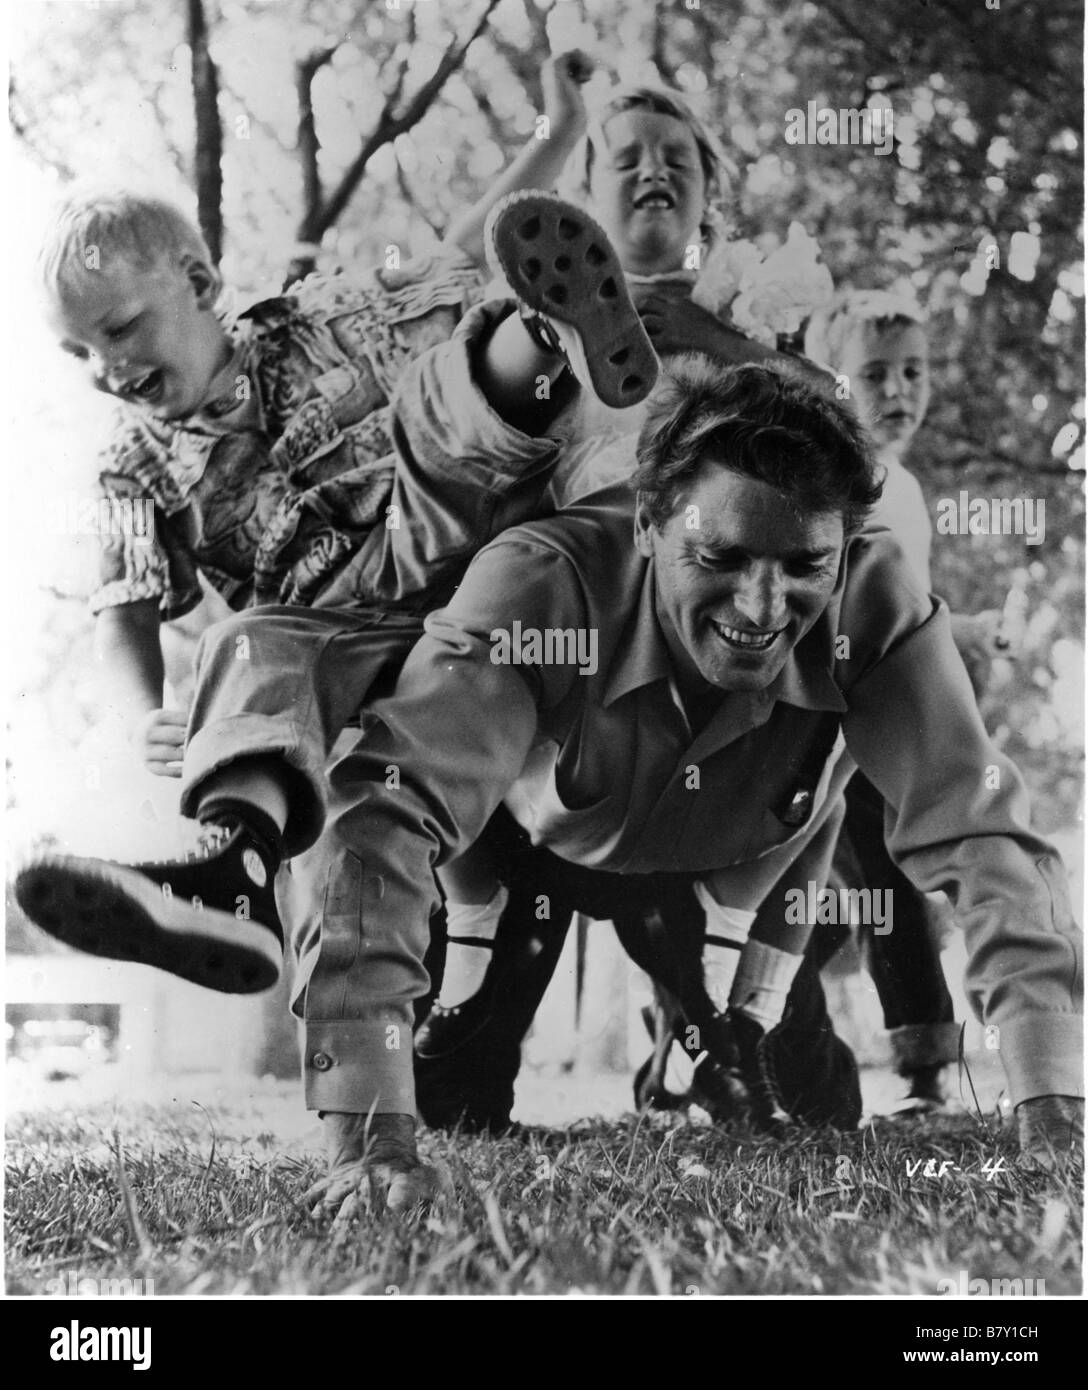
x,y
740,579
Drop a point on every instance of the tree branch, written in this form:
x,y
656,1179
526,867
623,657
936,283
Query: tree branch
x,y
409,196
526,61
209,132
484,105
178,155
21,125
307,142
659,48
394,93
390,124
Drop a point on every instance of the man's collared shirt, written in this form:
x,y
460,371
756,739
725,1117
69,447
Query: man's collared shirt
x,y
602,768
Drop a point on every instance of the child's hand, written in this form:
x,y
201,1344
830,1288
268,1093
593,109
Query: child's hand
x,y
563,78
976,636
986,631
159,740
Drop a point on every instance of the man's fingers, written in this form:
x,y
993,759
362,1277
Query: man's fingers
x,y
335,1186
376,1187
421,1184
349,1180
347,1211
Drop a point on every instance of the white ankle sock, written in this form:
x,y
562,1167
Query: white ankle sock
x,y
727,931
575,353
763,980
466,966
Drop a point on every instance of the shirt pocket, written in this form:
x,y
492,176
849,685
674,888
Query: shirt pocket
x,y
795,810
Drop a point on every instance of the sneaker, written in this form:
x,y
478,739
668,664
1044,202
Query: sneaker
x,y
559,263
209,918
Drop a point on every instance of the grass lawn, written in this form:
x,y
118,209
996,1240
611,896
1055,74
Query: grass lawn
x,y
205,1199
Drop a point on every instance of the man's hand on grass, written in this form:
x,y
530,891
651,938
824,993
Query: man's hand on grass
x,y
159,740
1051,1129
373,1162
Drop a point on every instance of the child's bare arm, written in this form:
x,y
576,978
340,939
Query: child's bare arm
x,y
541,161
129,656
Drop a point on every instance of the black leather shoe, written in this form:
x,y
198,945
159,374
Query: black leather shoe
x,y
446,1030
720,1091
210,917
817,1074
756,1068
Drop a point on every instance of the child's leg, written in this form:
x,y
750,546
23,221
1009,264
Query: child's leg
x,y
274,689
516,372
753,950
475,901
772,955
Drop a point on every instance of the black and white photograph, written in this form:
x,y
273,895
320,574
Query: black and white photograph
x,y
546,647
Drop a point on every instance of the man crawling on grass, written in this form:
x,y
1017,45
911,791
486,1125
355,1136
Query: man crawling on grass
x,y
755,644
744,619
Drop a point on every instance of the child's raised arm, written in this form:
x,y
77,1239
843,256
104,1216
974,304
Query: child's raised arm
x,y
541,161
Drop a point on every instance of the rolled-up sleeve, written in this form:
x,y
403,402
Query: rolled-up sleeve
x,y
435,760
957,820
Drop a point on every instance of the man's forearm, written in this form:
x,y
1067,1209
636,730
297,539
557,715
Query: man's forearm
x,y
437,758
961,825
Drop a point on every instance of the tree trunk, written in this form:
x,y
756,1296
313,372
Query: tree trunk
x,y
209,133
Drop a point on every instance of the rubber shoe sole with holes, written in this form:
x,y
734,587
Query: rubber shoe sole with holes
x,y
215,925
559,263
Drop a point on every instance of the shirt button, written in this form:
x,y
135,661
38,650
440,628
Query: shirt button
x,y
322,1061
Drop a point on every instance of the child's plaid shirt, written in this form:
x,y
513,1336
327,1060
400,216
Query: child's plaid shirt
x,y
271,487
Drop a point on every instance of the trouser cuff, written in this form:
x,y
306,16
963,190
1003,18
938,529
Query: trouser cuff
x,y
354,1066
924,1045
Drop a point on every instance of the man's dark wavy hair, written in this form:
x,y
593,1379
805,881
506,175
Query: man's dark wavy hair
x,y
760,422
